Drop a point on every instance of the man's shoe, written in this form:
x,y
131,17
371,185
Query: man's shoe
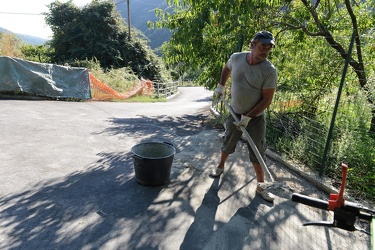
x,y
265,195
216,172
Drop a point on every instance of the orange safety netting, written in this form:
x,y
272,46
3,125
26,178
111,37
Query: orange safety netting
x,y
101,91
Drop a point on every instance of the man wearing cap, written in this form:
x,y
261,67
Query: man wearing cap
x,y
253,86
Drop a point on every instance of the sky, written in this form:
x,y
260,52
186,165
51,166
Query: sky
x,y
21,16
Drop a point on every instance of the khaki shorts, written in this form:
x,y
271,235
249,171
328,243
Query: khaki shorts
x,y
257,131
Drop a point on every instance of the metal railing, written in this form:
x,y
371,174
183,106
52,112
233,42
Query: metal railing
x,y
165,89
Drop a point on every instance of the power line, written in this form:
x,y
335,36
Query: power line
x,y
17,13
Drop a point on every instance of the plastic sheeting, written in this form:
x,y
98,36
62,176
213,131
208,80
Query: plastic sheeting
x,y
43,79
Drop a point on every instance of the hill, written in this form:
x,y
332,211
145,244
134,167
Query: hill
x,y
33,40
140,13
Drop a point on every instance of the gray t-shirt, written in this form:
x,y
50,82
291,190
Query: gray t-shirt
x,y
248,81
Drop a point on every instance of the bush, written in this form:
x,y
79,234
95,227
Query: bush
x,y
304,139
119,79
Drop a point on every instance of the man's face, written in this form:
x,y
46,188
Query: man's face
x,y
261,50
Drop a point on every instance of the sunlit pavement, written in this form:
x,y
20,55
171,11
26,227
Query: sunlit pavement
x,y
67,182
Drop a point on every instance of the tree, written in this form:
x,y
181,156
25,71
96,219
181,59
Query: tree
x,y
37,53
207,32
97,31
305,75
335,22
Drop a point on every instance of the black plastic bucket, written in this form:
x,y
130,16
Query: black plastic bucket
x,y
153,162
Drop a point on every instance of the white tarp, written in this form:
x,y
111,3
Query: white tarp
x,y
43,79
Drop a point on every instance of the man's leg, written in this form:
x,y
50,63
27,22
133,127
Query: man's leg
x,y
223,158
220,168
259,172
231,137
257,131
260,178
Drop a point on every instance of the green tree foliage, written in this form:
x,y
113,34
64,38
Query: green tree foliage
x,y
335,22
313,77
37,53
97,31
206,33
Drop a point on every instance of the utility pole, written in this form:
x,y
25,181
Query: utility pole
x,y
128,1
129,18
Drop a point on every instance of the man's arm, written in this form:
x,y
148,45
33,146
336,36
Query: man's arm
x,y
225,73
267,96
220,89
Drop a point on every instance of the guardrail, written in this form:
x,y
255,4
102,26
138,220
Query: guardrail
x,y
165,89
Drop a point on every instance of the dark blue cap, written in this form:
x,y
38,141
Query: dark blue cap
x,y
265,36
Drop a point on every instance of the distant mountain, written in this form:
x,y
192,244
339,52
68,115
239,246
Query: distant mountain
x,y
140,13
33,40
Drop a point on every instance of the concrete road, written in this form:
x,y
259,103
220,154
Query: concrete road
x,y
67,182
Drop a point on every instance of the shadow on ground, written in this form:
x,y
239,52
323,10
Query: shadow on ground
x,y
104,206
87,208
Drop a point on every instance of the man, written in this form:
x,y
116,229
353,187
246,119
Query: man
x,y
254,81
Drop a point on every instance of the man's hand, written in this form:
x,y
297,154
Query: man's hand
x,y
219,91
244,121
